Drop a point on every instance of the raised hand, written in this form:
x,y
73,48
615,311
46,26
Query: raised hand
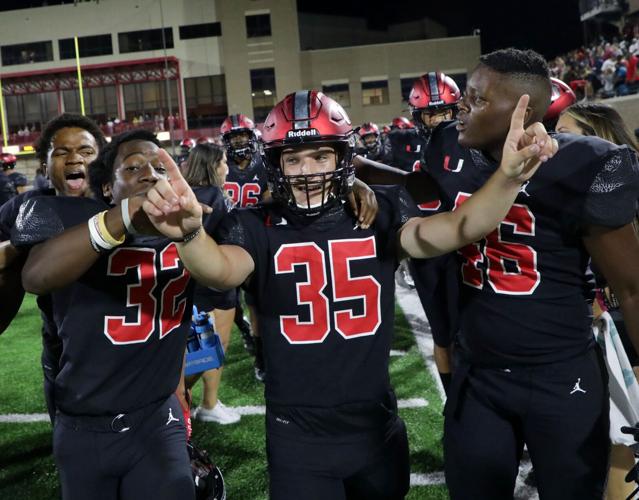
x,y
525,150
171,204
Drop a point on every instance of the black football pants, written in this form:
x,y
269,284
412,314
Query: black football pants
x,y
362,470
559,410
437,284
147,461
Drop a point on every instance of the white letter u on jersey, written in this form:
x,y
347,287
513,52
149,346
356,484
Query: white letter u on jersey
x,y
460,164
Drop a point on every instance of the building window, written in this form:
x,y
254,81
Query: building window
x,y
98,45
339,92
26,53
205,98
200,31
30,110
259,25
149,99
139,41
407,86
263,92
375,93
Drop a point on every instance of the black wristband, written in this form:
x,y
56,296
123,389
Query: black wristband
x,y
188,237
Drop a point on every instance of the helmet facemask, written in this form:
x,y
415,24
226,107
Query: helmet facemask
x,y
334,185
373,147
243,151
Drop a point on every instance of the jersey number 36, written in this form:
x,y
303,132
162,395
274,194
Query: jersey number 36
x,y
511,268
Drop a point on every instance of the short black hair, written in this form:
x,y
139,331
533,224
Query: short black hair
x,y
516,62
101,170
63,121
529,69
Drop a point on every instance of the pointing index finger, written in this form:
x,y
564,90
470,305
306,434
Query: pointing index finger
x,y
517,118
172,170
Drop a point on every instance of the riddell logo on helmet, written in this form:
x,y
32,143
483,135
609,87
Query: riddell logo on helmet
x,y
307,132
437,103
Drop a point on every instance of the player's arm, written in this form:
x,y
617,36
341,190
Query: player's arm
x,y
419,185
524,151
174,210
615,252
64,258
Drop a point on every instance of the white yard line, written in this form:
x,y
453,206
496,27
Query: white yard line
x,y
429,479
26,418
414,313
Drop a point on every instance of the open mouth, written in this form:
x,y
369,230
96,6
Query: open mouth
x,y
75,181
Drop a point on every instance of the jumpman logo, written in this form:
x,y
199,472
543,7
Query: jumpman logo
x,y
171,417
522,189
577,388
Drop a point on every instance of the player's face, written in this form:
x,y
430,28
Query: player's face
x,y
568,125
485,110
72,150
433,118
310,163
239,140
370,140
136,169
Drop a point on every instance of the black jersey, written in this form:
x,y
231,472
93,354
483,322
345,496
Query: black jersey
x,y
325,301
382,155
123,324
8,215
9,211
246,187
7,189
525,286
407,148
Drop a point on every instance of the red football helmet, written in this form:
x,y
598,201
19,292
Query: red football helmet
x,y
312,118
401,122
561,97
368,129
435,92
186,145
235,125
203,139
7,161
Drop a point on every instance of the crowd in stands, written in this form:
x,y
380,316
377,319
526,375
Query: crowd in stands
x,y
604,69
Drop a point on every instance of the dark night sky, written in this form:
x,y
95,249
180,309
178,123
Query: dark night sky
x,y
549,26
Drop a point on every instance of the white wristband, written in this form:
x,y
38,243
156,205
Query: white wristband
x,y
126,218
96,237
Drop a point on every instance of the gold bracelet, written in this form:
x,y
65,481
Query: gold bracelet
x,y
104,232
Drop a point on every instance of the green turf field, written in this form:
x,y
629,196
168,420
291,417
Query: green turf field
x,y
27,470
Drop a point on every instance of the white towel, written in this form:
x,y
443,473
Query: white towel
x,y
624,390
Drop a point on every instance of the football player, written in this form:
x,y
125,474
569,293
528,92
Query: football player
x,y
324,290
561,97
528,369
67,145
185,148
119,303
433,99
246,185
405,144
8,164
374,147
